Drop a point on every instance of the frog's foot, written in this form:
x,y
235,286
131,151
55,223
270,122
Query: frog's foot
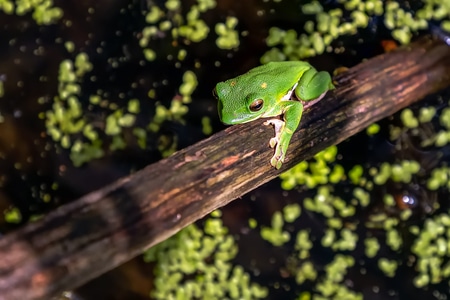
x,y
278,158
278,126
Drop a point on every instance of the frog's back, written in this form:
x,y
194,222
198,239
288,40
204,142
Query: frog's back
x,y
283,69
274,77
271,80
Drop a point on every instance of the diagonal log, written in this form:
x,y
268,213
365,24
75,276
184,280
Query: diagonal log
x,y
84,239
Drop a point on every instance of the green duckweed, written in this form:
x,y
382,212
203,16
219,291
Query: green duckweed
x,y
198,264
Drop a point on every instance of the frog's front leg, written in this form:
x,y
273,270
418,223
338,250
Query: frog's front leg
x,y
284,129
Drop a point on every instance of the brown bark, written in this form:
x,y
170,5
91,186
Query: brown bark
x,y
96,233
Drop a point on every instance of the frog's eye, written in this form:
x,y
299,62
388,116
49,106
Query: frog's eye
x,y
256,105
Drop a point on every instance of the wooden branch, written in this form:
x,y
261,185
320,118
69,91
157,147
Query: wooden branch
x,y
86,238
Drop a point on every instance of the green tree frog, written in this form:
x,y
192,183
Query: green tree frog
x,y
270,90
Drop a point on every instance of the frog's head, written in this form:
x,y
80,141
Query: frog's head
x,y
237,106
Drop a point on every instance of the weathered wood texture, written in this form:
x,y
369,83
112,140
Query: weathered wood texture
x,y
96,233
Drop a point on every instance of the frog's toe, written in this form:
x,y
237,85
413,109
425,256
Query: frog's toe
x,y
274,162
273,142
277,161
